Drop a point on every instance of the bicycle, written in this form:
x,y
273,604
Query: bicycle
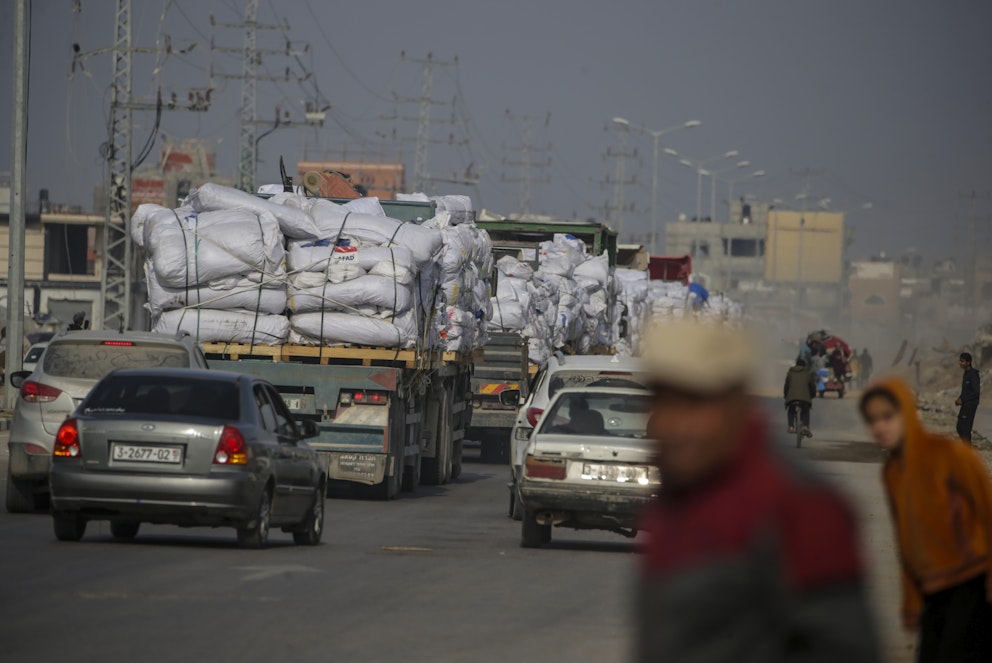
x,y
795,416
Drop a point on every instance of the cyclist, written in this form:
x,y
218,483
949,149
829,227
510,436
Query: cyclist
x,y
800,387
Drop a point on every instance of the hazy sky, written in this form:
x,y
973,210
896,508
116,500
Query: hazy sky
x,y
886,101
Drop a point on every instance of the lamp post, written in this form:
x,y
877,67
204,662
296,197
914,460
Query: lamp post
x,y
656,135
698,165
733,182
713,174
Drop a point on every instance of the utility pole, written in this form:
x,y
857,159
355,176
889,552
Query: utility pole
x,y
251,58
18,192
620,182
424,120
527,163
120,271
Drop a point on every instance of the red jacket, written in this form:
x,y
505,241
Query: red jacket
x,y
759,563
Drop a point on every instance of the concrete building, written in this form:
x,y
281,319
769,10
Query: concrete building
x,y
726,256
874,292
380,179
62,260
805,248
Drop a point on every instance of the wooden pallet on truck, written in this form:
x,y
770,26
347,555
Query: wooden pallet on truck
x,y
357,355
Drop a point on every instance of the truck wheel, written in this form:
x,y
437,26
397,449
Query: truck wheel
x,y
20,495
68,526
124,529
437,470
532,533
411,475
456,460
311,529
257,535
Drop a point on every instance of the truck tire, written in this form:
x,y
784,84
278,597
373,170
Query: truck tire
x,y
437,470
532,533
20,495
456,459
411,475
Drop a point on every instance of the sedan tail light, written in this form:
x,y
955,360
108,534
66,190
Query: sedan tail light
x,y
36,392
534,415
67,440
545,468
231,450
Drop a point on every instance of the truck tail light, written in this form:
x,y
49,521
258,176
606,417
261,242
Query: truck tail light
x,y
545,468
231,450
67,440
36,392
364,398
534,415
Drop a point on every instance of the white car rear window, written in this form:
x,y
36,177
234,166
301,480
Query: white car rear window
x,y
580,379
91,360
599,414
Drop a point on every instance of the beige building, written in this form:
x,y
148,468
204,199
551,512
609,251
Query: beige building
x,y
804,247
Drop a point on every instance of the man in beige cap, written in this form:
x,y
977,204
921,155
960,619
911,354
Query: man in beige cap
x,y
747,558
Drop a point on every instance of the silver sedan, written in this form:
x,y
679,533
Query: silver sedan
x,y
188,448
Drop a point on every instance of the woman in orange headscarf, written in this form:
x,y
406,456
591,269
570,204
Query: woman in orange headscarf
x,y
941,500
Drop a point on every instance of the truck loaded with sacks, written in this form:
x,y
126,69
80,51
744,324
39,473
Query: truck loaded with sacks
x,y
366,316
555,289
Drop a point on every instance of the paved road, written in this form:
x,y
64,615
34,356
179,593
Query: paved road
x,y
434,577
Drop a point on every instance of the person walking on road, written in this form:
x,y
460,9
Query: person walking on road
x,y
800,387
971,391
747,558
867,366
940,496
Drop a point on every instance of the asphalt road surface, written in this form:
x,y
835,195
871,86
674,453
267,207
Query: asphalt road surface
x,y
437,576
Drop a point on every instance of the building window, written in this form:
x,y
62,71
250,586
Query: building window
x,y
70,249
701,250
744,248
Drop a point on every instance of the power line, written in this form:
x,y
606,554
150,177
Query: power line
x,y
527,163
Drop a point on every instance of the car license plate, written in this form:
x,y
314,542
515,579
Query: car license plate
x,y
134,453
616,473
293,403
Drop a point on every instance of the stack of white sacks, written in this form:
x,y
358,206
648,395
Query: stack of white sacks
x,y
674,300
231,267
567,301
633,299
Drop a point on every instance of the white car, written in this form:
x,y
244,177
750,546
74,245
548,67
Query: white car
x,y
562,372
33,356
589,464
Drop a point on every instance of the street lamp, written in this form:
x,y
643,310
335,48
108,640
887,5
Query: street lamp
x,y
700,172
737,166
656,135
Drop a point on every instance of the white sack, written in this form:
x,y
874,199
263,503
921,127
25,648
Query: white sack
x,y
205,247
342,328
209,326
233,293
293,222
459,207
595,269
377,291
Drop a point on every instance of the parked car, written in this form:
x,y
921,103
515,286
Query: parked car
x,y
188,448
33,356
70,366
562,372
588,465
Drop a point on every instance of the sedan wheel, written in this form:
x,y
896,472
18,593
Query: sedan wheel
x,y
532,533
124,529
312,528
68,526
257,536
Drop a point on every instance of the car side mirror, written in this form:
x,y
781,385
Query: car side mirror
x,y
308,429
510,398
18,378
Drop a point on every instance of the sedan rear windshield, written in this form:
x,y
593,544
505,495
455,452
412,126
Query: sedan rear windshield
x,y
91,360
155,395
599,414
578,379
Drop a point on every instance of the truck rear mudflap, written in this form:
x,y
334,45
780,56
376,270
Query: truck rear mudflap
x,y
355,466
